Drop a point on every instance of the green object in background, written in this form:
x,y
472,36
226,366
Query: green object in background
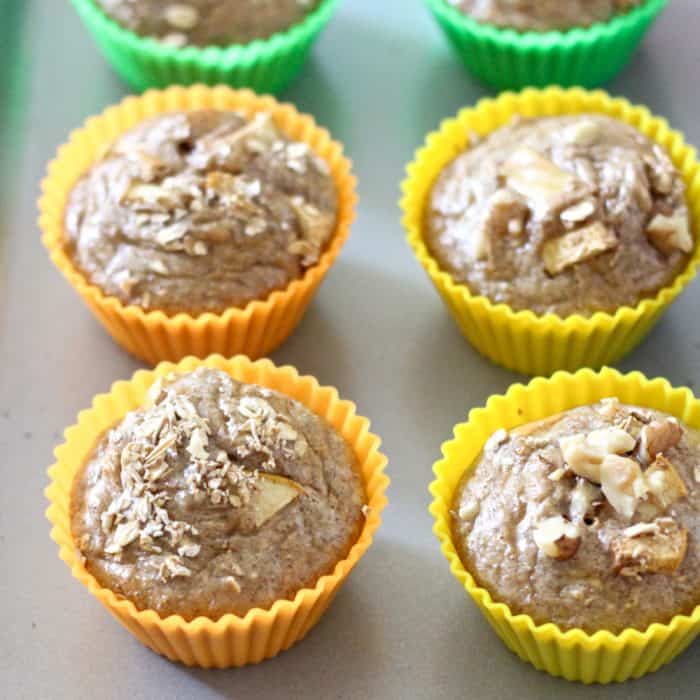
x,y
264,65
506,59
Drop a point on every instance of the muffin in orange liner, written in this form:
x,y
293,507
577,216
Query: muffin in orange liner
x,y
230,640
521,340
602,657
153,336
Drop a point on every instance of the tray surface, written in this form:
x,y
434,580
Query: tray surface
x,y
380,78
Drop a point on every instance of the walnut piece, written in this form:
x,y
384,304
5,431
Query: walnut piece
x,y
670,233
558,254
664,483
659,437
557,538
622,483
583,496
584,454
272,494
650,548
537,179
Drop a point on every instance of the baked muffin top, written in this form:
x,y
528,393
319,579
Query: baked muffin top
x,y
589,519
543,15
573,214
216,497
208,22
200,211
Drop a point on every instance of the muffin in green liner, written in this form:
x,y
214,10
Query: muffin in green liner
x,y
507,59
264,65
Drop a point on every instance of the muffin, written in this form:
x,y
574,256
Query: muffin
x,y
589,519
542,16
208,22
565,215
199,212
511,44
215,497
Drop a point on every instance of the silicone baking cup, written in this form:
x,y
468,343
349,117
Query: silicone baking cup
x,y
262,325
264,65
231,640
523,341
602,657
506,59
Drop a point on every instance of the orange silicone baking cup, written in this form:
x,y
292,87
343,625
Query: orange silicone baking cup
x,y
230,640
255,330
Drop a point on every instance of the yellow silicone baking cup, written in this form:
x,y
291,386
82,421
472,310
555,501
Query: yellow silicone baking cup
x,y
602,657
521,340
231,640
262,325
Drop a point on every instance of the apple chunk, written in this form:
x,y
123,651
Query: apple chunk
x,y
272,494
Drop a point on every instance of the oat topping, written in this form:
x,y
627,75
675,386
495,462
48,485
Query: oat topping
x,y
173,426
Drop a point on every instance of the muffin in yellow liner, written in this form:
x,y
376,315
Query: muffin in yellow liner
x,y
262,325
231,640
523,341
602,657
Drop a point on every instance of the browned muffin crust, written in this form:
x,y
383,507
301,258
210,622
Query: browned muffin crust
x,y
589,519
208,22
564,215
201,211
216,498
543,15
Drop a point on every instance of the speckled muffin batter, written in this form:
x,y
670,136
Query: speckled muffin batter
x,y
201,211
543,15
589,519
567,215
216,497
208,22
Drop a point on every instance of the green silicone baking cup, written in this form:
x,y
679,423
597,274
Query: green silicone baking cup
x,y
264,65
506,59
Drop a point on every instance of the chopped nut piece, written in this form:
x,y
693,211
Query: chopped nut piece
x,y
622,484
177,40
273,493
503,209
181,16
664,482
315,225
650,548
609,407
536,178
670,233
697,475
557,538
585,453
582,498
580,245
659,437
